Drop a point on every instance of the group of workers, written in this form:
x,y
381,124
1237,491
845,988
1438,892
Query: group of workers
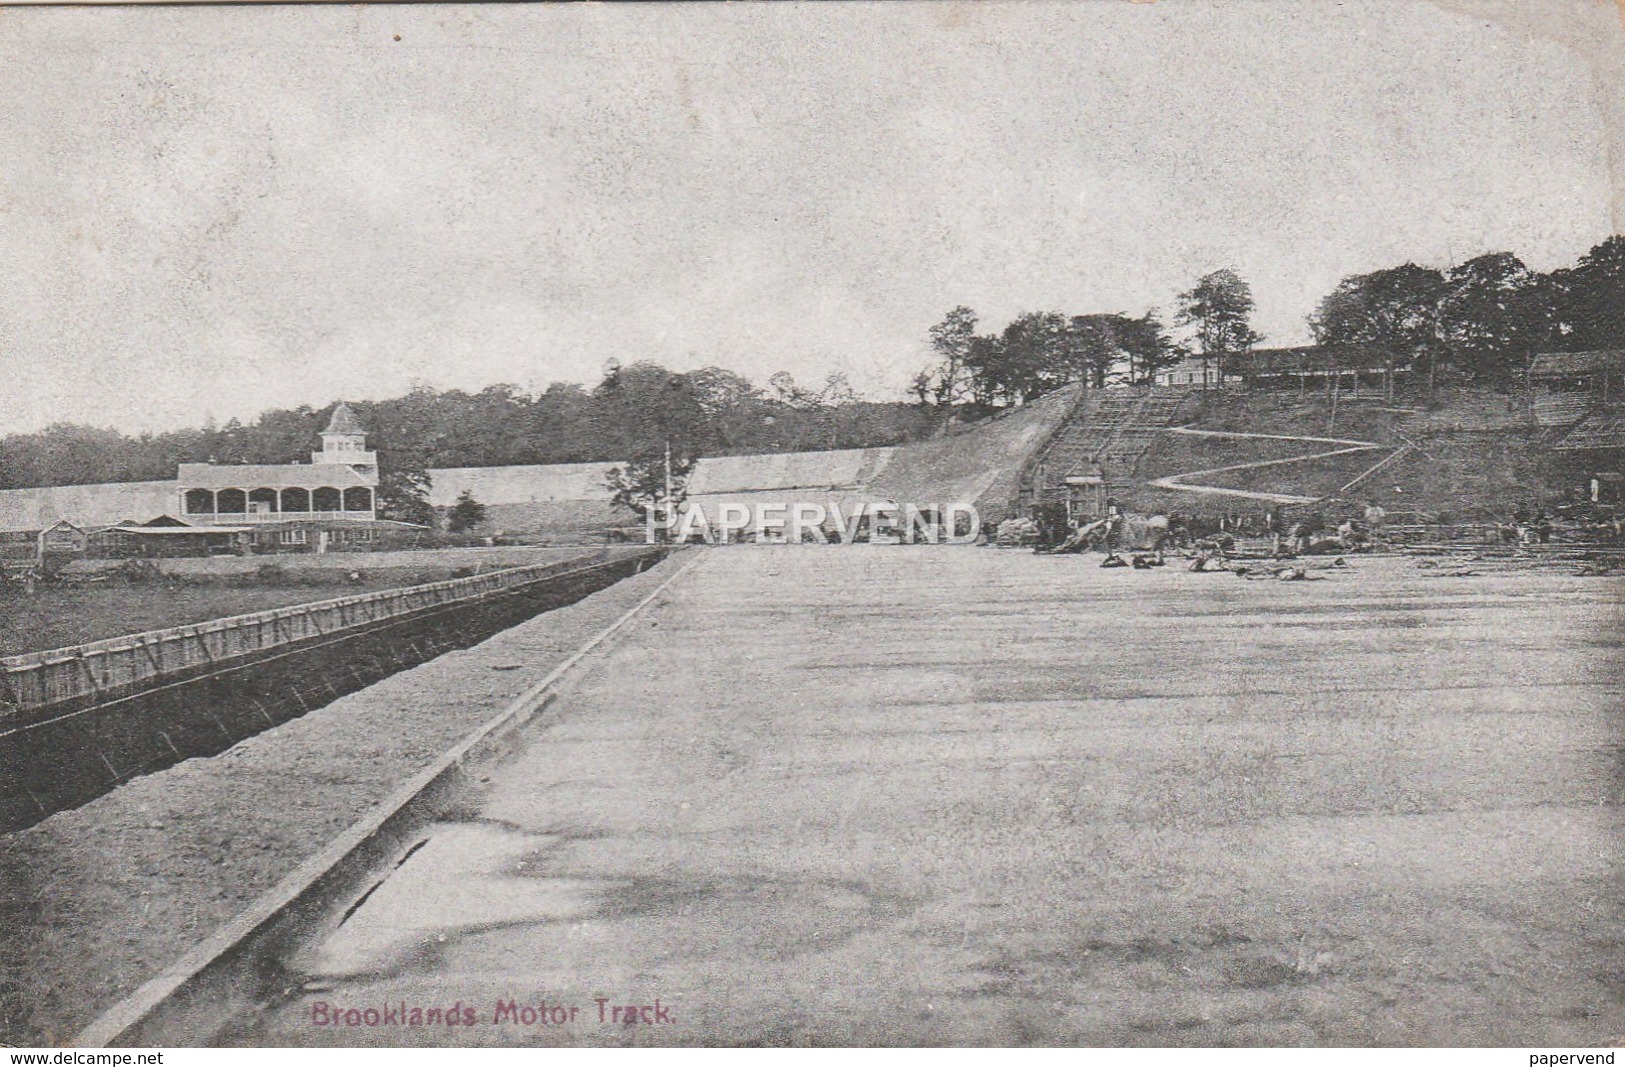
x,y
1528,527
1116,531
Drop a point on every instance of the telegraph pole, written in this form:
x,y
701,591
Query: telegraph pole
x,y
667,499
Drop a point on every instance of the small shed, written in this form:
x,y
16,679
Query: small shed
x,y
169,536
62,540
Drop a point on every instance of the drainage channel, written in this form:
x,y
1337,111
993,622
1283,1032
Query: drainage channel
x,y
223,983
64,762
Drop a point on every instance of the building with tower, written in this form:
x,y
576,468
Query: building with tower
x,y
330,502
333,499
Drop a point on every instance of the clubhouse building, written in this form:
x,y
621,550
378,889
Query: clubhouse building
x,y
331,501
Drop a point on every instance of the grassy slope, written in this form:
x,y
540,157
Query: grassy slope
x,y
1478,460
1180,453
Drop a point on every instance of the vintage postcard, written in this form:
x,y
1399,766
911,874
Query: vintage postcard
x,y
855,524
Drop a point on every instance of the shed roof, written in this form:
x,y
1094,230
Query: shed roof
x,y
271,476
1571,364
1263,362
1599,430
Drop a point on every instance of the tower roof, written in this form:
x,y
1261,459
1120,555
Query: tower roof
x,y
343,421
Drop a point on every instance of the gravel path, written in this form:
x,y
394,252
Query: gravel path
x,y
1178,481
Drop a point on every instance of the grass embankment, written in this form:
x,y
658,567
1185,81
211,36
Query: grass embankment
x,y
1475,456
1177,453
58,615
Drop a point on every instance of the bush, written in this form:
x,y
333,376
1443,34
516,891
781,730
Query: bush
x,y
466,514
140,571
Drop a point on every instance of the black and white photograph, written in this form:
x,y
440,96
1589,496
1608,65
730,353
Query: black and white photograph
x,y
1048,524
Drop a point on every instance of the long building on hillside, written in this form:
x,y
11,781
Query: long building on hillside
x,y
1353,368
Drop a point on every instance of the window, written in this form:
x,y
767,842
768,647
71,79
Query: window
x,y
292,537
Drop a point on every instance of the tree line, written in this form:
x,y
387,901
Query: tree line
x,y
633,411
1040,351
1480,320
1483,319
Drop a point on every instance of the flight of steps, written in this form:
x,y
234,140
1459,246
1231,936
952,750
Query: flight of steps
x,y
1600,429
1561,409
1134,437
1109,431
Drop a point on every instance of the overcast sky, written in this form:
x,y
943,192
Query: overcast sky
x,y
212,211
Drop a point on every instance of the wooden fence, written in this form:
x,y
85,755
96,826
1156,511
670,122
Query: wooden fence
x,y
104,670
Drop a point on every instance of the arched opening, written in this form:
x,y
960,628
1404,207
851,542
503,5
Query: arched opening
x,y
296,500
262,500
231,502
358,498
326,499
199,502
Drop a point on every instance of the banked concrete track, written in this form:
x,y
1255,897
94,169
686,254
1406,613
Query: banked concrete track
x,y
949,795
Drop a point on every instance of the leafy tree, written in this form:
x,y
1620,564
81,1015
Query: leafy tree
x,y
737,416
1093,348
556,426
1146,345
1041,351
923,386
465,514
660,423
640,408
719,391
787,392
1219,310
949,382
647,487
986,362
403,489
836,391
1493,312
1032,356
230,444
833,404
1589,299
1395,310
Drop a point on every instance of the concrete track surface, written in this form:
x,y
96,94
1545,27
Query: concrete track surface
x,y
942,795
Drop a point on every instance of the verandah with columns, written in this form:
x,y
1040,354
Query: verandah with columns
x,y
240,505
338,485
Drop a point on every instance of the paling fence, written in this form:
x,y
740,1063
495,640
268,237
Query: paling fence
x,y
103,670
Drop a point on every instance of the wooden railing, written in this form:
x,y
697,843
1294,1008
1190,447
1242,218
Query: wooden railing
x,y
108,669
244,518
